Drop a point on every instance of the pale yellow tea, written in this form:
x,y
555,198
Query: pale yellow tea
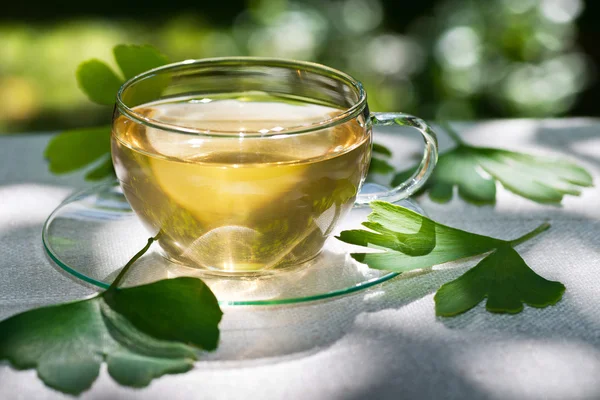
x,y
243,204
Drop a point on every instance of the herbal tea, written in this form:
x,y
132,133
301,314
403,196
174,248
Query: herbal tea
x,y
246,203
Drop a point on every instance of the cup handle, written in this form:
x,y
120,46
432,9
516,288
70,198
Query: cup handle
x,y
430,156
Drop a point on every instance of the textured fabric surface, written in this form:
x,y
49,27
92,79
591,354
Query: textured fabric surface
x,y
382,343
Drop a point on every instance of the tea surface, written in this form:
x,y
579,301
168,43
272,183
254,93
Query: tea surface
x,y
241,204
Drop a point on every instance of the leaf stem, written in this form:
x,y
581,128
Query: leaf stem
x,y
543,227
133,259
451,132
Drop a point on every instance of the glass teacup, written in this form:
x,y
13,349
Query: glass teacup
x,y
245,165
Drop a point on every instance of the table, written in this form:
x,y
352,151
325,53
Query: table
x,y
383,343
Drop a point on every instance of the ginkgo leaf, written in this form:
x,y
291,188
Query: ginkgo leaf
x,y
378,148
541,179
457,168
98,81
406,240
380,166
504,279
67,343
103,170
134,59
408,231
74,149
379,160
475,171
165,309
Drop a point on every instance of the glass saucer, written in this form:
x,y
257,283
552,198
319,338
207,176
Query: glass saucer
x,y
93,233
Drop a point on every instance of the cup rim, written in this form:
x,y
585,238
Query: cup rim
x,y
346,115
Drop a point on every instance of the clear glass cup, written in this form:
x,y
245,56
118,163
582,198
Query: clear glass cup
x,y
244,166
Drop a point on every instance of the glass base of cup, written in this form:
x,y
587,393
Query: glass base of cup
x,y
206,271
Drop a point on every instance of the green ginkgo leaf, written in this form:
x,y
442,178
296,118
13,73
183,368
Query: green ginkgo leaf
x,y
167,312
378,148
379,161
77,148
406,240
103,170
504,279
67,343
541,179
406,234
98,81
134,59
475,171
380,166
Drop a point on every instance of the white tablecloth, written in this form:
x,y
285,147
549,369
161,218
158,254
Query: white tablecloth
x,y
383,343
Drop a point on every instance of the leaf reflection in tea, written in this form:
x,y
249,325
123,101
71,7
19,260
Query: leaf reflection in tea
x,y
247,203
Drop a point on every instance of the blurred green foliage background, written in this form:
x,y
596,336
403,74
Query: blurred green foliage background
x,y
456,59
